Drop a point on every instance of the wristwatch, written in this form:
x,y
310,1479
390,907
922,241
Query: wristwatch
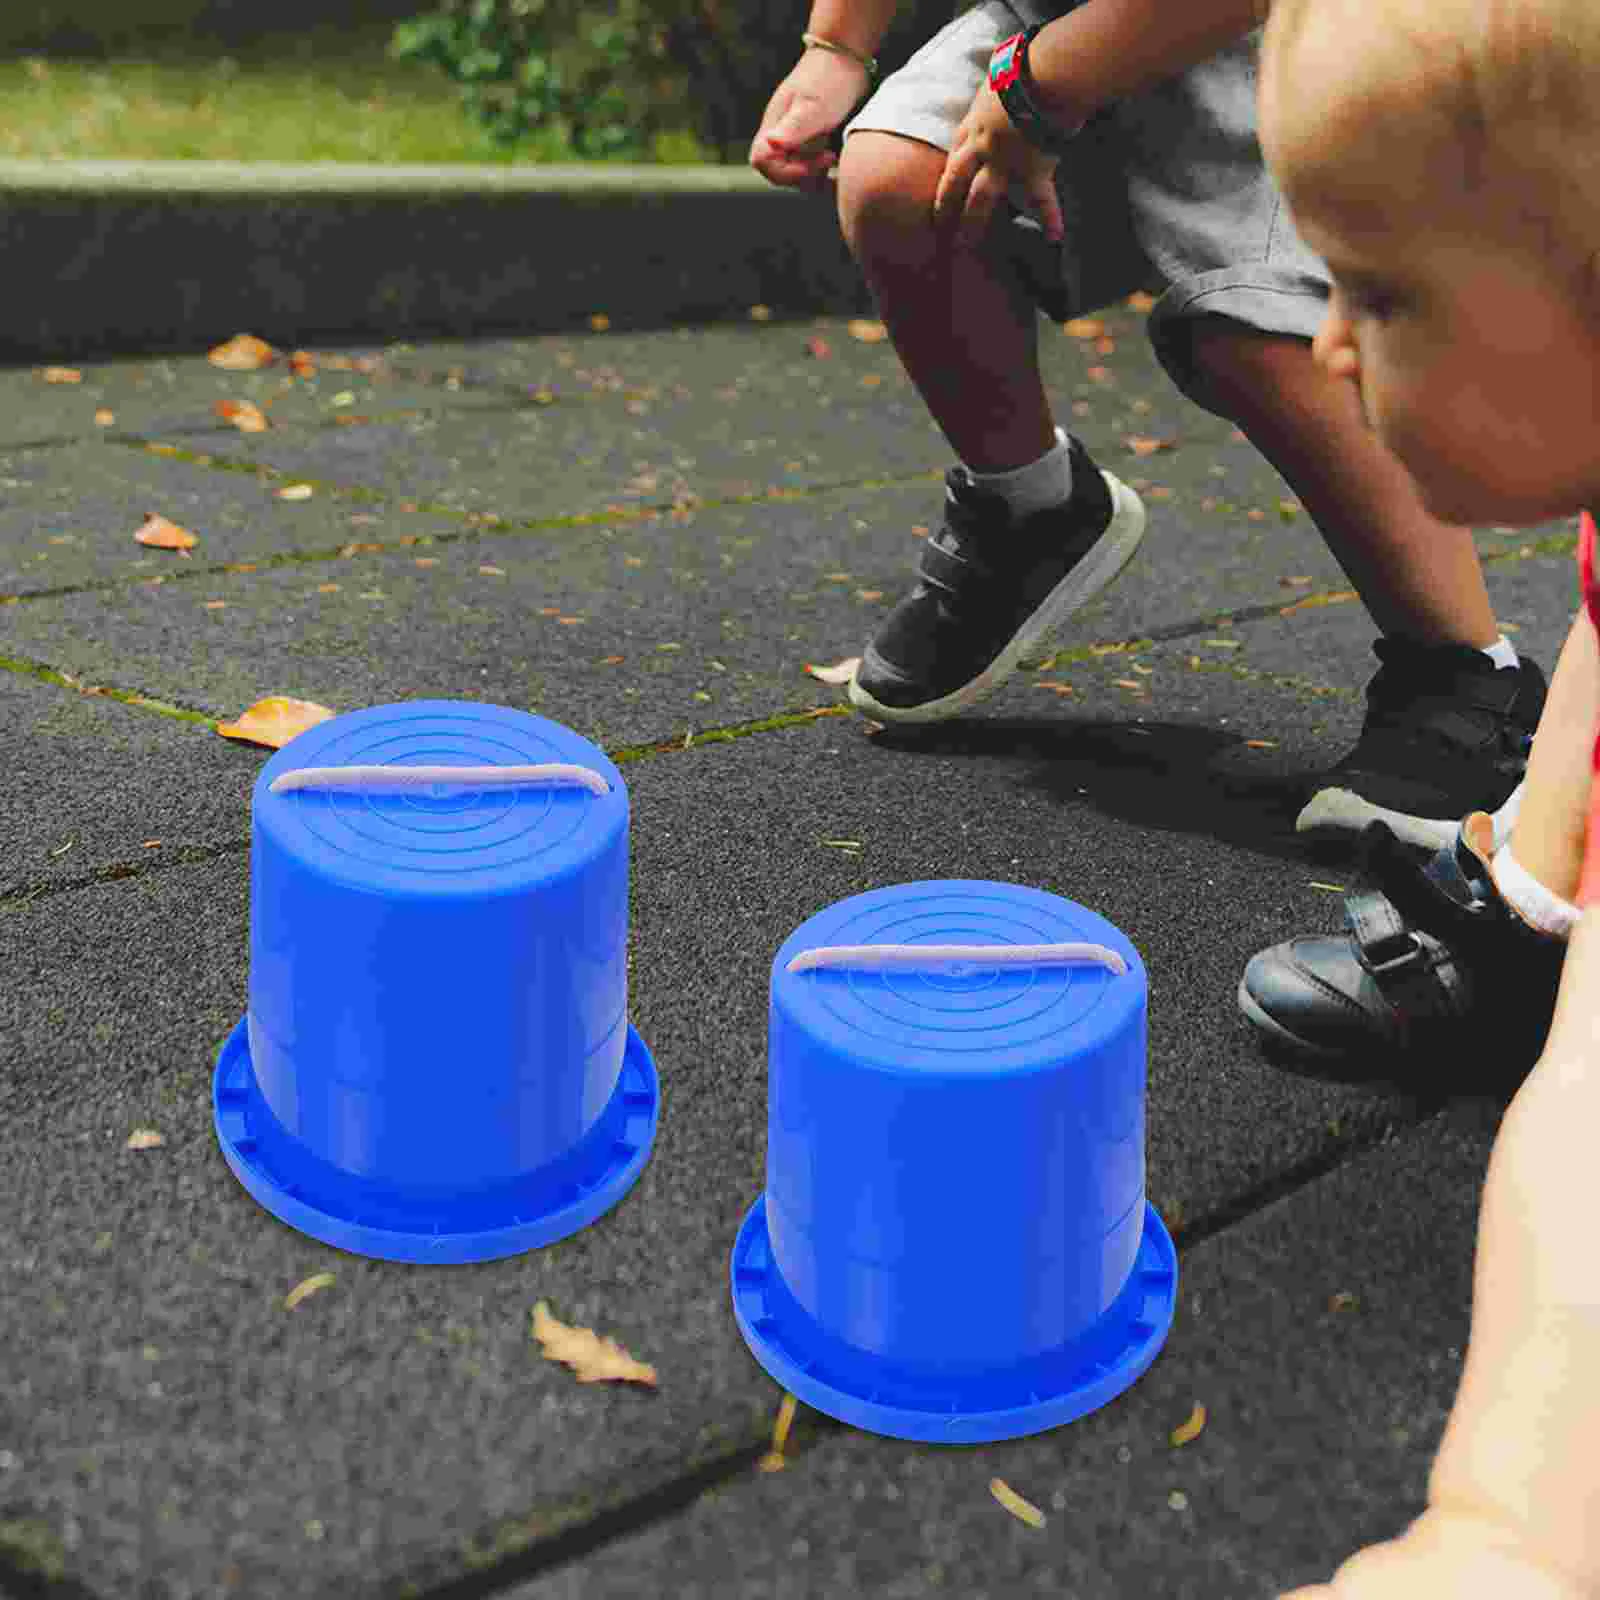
x,y
1013,84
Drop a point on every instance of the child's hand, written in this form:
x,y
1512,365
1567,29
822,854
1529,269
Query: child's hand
x,y
988,156
790,148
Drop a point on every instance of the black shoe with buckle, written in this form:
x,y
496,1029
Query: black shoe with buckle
x,y
1436,987
1446,733
993,591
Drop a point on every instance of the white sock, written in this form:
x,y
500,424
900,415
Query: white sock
x,y
1529,898
1036,486
1502,652
1505,819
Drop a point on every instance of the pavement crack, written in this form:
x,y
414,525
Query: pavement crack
x,y
186,855
26,667
1303,1174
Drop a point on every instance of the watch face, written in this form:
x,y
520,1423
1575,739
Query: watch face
x,y
1005,65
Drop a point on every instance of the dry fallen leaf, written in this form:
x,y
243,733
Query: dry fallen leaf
x,y
245,415
1188,1431
819,347
144,1139
306,1288
761,313
840,672
1334,597
773,1460
160,534
273,722
303,364
1140,301
61,375
242,353
1261,744
104,417
1344,1301
1022,1510
294,491
1083,328
594,1358
599,322
867,330
1143,445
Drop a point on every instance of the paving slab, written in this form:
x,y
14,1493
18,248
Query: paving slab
x,y
92,788
184,1423
1324,1338
69,514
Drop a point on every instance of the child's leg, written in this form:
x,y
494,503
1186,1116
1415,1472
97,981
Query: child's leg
x,y
965,330
1417,576
1514,1501
1032,528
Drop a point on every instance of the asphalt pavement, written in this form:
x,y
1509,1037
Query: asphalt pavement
x,y
647,536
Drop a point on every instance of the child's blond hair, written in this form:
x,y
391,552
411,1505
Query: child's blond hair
x,y
1498,100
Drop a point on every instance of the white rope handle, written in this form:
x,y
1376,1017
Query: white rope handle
x,y
390,780
885,957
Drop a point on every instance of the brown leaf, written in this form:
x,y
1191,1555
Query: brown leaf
x,y
303,364
242,353
761,313
294,491
1084,328
104,417
273,722
1333,597
594,1358
61,375
144,1139
245,415
160,534
1187,1432
599,322
819,347
840,672
867,329
1140,301
1022,1510
1144,445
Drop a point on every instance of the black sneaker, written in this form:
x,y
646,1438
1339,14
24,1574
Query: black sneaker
x,y
993,591
1435,987
1446,732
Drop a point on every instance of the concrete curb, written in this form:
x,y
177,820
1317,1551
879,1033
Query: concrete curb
x,y
123,257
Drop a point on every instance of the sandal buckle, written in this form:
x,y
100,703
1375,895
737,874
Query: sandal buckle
x,y
1393,953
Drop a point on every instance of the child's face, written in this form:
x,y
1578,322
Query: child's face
x,y
1472,365
1475,364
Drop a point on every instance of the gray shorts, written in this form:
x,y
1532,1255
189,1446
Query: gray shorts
x,y
1164,191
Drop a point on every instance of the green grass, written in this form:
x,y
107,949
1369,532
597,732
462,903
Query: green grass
x,y
362,109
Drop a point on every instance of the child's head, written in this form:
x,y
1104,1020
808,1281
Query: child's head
x,y
1444,156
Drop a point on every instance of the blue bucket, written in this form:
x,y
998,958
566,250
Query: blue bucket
x,y
437,1063
954,1243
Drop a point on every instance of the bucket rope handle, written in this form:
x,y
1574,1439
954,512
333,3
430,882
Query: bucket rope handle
x,y
898,957
395,779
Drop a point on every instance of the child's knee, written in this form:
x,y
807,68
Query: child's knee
x,y
886,189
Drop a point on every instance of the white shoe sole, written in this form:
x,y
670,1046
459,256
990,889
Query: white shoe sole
x,y
1037,637
1342,815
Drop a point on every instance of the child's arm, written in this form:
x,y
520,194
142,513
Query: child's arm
x,y
1102,51
1108,49
1514,1502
